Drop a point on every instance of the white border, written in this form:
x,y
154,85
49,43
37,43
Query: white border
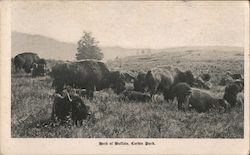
x,y
90,146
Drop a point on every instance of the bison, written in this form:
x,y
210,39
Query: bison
x,y
25,61
80,111
136,96
202,101
183,76
230,78
39,68
61,106
158,80
194,98
66,104
181,91
231,92
88,74
140,82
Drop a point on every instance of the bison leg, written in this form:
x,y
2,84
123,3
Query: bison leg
x,y
53,112
183,102
179,104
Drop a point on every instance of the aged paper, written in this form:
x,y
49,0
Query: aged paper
x,y
206,37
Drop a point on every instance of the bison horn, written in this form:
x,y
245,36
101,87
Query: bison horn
x,y
58,95
69,97
154,98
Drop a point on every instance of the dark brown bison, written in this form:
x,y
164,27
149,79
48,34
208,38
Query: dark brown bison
x,y
158,80
61,107
89,74
202,101
66,104
183,76
140,82
194,98
136,96
237,76
39,68
25,61
179,77
181,91
231,92
80,111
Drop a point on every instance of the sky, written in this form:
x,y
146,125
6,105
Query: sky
x,y
134,24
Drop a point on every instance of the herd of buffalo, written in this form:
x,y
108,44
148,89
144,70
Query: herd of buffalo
x,y
89,75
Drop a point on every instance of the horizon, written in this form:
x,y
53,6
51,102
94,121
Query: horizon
x,y
153,25
117,46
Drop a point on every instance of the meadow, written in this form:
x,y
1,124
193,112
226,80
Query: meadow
x,y
112,117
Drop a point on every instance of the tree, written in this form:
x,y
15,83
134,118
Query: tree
x,y
88,48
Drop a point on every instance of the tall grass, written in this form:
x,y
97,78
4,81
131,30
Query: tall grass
x,y
112,117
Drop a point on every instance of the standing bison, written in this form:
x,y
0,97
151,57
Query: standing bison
x,y
25,61
89,74
158,80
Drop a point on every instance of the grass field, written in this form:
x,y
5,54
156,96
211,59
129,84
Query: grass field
x,y
32,99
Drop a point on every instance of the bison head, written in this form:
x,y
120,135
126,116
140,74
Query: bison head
x,y
116,82
231,92
186,76
140,82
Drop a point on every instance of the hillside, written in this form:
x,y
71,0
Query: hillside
x,y
44,46
53,49
214,60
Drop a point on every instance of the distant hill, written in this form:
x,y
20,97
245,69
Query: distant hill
x,y
53,49
50,48
44,46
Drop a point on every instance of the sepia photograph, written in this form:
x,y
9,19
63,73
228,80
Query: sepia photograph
x,y
119,71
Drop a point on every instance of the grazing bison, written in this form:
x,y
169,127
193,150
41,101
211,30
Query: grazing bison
x,y
140,82
231,92
136,96
39,68
25,61
89,74
158,80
